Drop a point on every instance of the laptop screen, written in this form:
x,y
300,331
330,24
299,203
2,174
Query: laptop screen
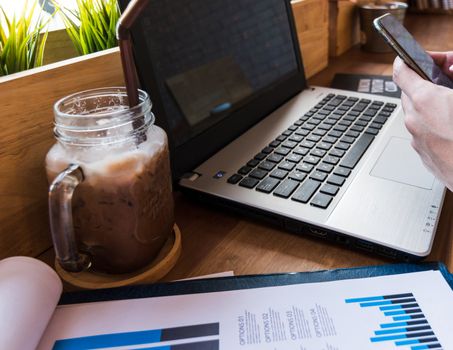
x,y
203,62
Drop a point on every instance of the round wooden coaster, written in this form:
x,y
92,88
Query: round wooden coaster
x,y
161,265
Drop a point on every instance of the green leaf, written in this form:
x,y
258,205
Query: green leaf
x,y
21,45
92,26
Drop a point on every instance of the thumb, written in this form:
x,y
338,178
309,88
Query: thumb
x,y
409,81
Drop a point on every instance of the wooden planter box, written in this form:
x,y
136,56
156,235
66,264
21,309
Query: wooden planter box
x,y
26,122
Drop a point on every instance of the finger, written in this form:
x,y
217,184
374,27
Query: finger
x,y
409,81
438,57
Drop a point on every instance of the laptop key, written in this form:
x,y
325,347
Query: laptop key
x,y
305,167
324,145
295,158
267,165
318,153
380,120
306,191
343,146
234,179
245,170
331,160
318,175
324,167
301,150
276,158
286,188
274,144
248,182
302,132
267,185
258,174
312,160
281,138
282,151
337,153
313,138
297,176
325,126
375,125
336,180
260,156
253,163
267,150
307,144
340,171
287,132
296,138
330,189
319,132
372,131
307,126
321,200
335,134
352,133
356,152
279,174
347,139
287,166
289,144
357,128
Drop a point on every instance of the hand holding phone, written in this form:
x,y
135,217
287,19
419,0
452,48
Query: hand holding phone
x,y
410,51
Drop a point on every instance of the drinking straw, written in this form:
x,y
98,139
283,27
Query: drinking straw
x,y
126,21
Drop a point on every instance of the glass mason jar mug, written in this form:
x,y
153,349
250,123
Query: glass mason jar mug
x,y
110,198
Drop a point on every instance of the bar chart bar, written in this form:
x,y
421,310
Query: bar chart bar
x,y
409,329
206,345
137,338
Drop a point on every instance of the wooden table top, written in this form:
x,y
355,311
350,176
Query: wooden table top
x,y
215,240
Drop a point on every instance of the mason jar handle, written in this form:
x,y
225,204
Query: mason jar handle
x,y
60,214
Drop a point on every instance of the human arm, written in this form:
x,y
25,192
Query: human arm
x,y
428,117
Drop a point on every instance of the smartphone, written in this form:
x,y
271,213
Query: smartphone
x,y
410,51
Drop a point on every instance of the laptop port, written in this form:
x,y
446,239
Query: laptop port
x,y
364,245
342,239
388,252
317,232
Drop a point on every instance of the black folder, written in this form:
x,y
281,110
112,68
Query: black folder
x,y
210,285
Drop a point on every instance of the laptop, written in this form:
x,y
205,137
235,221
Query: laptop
x,y
246,131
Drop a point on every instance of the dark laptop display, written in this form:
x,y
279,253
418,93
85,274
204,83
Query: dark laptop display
x,y
209,65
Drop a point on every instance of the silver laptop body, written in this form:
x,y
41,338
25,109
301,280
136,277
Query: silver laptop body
x,y
227,81
389,204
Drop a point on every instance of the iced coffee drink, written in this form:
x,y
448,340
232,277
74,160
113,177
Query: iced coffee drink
x,y
122,210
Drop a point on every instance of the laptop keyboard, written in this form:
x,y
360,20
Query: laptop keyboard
x,y
311,160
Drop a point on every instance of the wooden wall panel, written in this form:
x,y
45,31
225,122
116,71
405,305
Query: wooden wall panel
x,y
312,24
26,117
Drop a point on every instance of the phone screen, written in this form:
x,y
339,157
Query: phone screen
x,y
412,48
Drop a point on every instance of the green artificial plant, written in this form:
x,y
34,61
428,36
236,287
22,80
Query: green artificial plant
x,y
21,42
92,25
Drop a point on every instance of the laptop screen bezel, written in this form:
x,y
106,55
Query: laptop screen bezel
x,y
186,156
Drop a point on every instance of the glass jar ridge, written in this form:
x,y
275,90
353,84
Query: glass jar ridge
x,y
101,116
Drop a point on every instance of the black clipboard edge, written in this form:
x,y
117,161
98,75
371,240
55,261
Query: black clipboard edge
x,y
211,285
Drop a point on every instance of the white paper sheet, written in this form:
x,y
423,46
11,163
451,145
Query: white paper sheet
x,y
29,293
303,317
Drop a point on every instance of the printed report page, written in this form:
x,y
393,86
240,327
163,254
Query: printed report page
x,y
409,311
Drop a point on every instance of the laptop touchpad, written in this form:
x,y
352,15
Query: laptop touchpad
x,y
399,162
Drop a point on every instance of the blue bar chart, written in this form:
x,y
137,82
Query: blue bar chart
x,y
407,326
193,335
